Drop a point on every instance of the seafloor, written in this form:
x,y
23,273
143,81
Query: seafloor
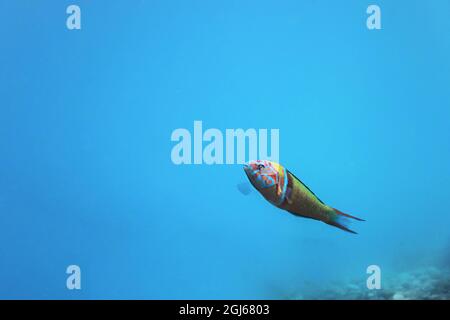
x,y
424,283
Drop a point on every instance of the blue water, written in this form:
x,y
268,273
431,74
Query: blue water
x,y
86,117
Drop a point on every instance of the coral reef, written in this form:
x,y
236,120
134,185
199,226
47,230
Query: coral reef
x,y
425,283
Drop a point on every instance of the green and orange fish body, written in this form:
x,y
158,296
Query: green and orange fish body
x,y
284,190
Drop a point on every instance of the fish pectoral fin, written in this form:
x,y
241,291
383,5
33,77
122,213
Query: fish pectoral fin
x,y
245,188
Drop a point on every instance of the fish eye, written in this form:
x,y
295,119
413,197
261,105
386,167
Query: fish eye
x,y
260,166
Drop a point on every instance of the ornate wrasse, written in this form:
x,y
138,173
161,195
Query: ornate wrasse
x,y
285,191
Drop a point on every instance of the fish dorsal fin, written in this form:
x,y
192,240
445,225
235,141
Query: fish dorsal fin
x,y
293,175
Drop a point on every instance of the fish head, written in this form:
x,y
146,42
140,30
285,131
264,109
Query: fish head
x,y
261,173
267,177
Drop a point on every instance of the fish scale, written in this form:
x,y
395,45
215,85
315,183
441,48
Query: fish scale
x,y
284,190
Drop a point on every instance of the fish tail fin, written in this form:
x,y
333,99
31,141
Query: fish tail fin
x,y
339,213
342,220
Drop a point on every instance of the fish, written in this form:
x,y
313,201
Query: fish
x,y
284,190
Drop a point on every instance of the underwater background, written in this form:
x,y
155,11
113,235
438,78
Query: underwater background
x,y
86,175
